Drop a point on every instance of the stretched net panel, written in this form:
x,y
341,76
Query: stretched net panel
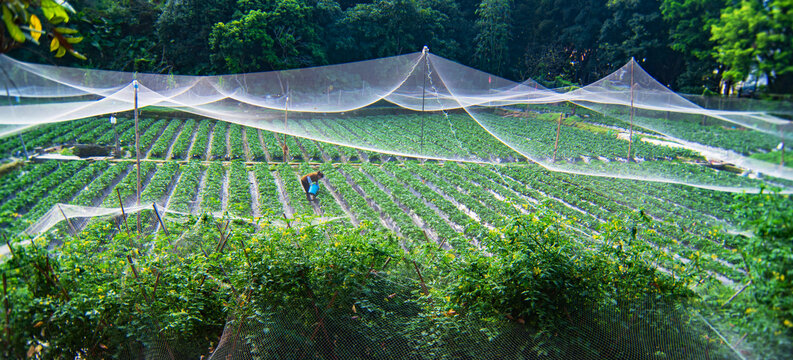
x,y
626,125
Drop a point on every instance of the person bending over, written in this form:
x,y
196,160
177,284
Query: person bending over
x,y
311,184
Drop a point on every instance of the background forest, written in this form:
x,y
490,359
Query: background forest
x,y
692,46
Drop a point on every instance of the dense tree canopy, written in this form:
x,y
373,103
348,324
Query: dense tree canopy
x,y
694,46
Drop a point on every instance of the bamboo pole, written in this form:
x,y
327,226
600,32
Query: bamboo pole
x,y
123,213
737,293
6,311
154,205
423,95
71,226
556,143
137,148
782,150
630,135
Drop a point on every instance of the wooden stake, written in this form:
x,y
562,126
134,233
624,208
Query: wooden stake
x,y
423,94
137,147
736,294
421,279
782,151
154,205
630,135
135,272
74,231
7,311
556,143
123,214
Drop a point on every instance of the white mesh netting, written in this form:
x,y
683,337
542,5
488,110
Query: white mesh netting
x,y
421,105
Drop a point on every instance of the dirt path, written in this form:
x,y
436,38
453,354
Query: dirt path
x,y
208,151
192,142
385,220
80,224
166,199
322,153
343,203
264,148
457,227
412,214
302,150
224,191
245,144
254,194
147,151
202,183
228,153
288,211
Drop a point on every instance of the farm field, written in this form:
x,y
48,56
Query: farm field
x,y
457,211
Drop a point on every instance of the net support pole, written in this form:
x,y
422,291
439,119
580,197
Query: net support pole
x,y
423,96
284,148
556,143
159,218
6,311
630,134
24,147
71,226
137,149
782,150
123,214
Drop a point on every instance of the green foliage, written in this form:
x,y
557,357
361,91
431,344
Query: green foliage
x,y
359,288
283,38
757,36
768,258
492,39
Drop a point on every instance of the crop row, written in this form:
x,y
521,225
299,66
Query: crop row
x,y
11,184
237,150
160,148
312,151
182,143
330,150
448,208
158,185
335,130
271,143
128,187
68,189
254,145
75,128
127,138
358,205
268,191
151,134
92,136
401,195
239,190
199,149
673,237
457,192
536,136
218,149
94,190
187,187
109,137
34,193
43,136
406,226
213,187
